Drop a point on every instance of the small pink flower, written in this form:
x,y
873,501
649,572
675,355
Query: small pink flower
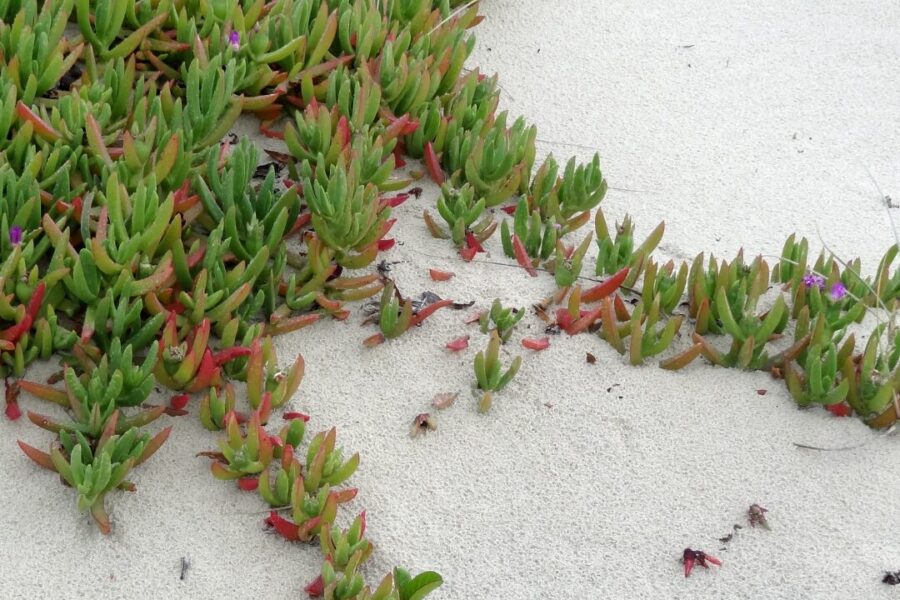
x,y
838,291
813,279
15,235
234,40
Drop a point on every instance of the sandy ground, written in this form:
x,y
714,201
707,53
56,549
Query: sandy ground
x,y
737,124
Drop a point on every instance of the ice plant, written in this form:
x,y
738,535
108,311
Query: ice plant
x,y
534,234
615,253
821,382
396,318
234,40
500,319
96,467
463,215
488,372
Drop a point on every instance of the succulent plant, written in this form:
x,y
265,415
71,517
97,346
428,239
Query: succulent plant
x,y
500,319
821,382
463,215
646,338
489,374
568,261
95,469
619,252
96,396
872,377
664,283
346,215
396,317
531,233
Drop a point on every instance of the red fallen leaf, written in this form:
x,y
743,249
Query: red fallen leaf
x,y
386,244
762,392
178,402
510,210
536,343
473,318
839,410
438,275
427,311
395,201
460,343
467,254
290,416
374,340
433,165
445,400
248,484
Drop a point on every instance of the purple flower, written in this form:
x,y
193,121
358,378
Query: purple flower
x,y
15,235
813,279
234,40
838,291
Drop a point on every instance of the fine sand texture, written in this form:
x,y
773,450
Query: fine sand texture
x,y
737,123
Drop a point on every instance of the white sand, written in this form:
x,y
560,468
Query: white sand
x,y
596,496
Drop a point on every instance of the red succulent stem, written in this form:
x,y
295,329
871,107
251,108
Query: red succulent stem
x,y
433,165
179,401
601,291
283,527
229,354
248,484
584,322
12,334
522,256
395,201
290,416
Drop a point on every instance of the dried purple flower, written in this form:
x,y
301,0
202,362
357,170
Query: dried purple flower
x,y
813,279
234,40
15,235
838,291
